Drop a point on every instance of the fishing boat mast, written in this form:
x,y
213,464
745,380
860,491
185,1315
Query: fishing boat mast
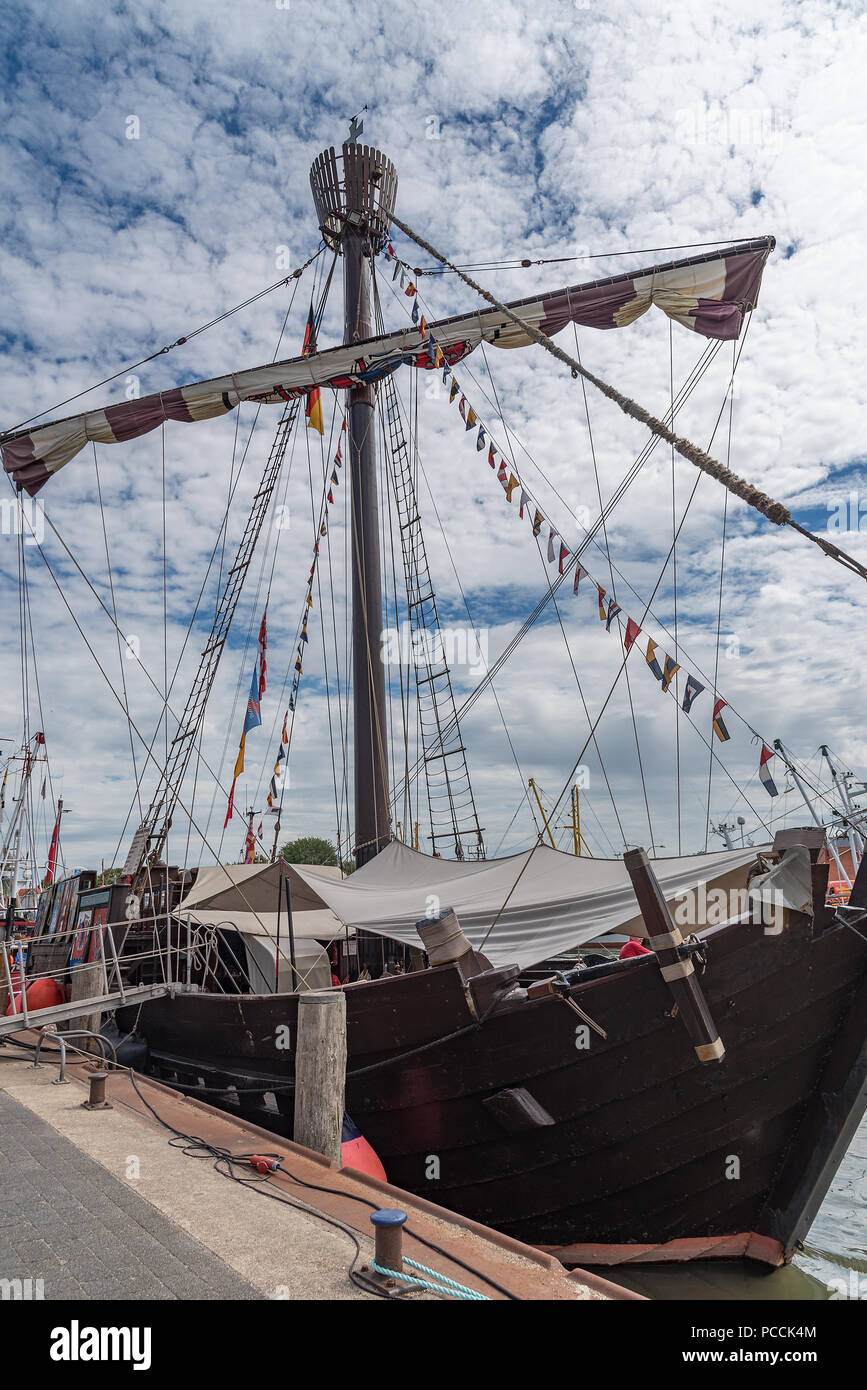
x,y
354,194
19,875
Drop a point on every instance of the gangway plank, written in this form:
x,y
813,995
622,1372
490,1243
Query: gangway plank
x,y
101,1003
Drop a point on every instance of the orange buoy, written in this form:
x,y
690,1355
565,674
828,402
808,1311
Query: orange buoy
x,y
355,1152
42,994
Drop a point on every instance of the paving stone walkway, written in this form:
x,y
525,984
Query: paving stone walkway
x,y
68,1222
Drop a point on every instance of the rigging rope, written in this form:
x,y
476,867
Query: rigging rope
x,y
748,492
179,342
614,596
524,263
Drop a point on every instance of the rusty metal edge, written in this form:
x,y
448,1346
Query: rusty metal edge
x,y
741,1245
533,1254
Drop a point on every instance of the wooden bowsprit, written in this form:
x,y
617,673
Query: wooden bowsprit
x,y
677,973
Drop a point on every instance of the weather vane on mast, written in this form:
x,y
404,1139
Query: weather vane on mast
x,y
356,126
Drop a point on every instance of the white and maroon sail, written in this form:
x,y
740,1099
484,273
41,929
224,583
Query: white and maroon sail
x,y
708,294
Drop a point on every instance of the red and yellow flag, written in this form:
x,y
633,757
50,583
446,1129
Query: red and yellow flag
x,y
313,409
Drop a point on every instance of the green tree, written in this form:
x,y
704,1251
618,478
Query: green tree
x,y
310,849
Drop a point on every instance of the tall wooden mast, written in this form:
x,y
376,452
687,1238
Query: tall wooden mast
x,y
354,193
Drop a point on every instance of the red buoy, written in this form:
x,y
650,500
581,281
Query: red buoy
x,y
355,1152
42,994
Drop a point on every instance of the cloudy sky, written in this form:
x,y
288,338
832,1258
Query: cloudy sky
x,y
154,174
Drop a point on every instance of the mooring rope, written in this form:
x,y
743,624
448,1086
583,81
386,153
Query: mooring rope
x,y
748,492
437,1283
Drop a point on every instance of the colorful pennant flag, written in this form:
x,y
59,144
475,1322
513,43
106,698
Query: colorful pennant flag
x,y
250,843
579,574
313,409
52,852
537,522
765,777
613,610
692,690
652,661
263,646
601,592
632,631
719,727
565,552
510,487
481,440
252,718
671,669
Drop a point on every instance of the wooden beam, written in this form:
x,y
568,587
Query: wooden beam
x,y
320,1071
679,974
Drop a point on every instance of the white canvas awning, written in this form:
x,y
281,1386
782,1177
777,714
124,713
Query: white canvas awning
x,y
244,898
557,902
247,896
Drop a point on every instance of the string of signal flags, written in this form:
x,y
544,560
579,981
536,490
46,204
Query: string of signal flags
x,y
253,712
661,666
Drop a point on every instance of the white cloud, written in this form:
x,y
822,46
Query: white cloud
x,y
606,128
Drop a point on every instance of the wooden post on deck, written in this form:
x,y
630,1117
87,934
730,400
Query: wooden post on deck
x,y
88,982
320,1071
678,974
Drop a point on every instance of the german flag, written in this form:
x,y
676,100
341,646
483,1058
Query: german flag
x,y
313,410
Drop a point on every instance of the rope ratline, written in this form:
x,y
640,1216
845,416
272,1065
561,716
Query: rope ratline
x,y
748,492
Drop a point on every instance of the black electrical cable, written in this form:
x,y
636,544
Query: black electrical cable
x,y
192,1146
191,1143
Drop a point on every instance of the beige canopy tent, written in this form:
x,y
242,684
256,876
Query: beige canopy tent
x,y
545,902
245,897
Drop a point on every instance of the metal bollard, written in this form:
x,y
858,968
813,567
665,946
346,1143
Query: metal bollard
x,y
388,1225
96,1100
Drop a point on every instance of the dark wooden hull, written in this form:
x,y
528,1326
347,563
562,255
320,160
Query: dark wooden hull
x,y
647,1146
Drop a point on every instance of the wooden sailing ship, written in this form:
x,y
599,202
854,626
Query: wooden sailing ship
x,y
723,1077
